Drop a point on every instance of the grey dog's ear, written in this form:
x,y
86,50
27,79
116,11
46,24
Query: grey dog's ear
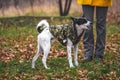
x,y
83,16
73,19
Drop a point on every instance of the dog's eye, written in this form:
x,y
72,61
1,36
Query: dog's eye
x,y
83,21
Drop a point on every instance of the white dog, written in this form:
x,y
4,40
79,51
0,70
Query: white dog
x,y
68,35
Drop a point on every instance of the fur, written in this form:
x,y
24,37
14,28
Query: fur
x,y
44,40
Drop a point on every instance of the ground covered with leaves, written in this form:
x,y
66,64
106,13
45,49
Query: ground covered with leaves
x,y
18,46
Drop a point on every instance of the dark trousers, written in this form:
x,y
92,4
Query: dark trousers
x,y
90,47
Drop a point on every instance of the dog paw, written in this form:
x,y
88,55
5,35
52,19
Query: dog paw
x,y
71,66
76,63
33,67
47,68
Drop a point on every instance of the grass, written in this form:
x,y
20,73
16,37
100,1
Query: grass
x,y
113,29
59,70
18,40
16,32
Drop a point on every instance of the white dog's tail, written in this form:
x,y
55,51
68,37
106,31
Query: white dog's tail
x,y
42,25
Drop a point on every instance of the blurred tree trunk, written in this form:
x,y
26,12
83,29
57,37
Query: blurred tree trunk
x,y
64,9
31,4
114,12
3,5
23,6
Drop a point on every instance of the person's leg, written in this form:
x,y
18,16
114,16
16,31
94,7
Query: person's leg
x,y
101,13
88,38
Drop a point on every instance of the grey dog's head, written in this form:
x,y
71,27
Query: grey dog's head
x,y
81,22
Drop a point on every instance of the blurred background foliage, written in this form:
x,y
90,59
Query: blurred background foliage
x,y
10,8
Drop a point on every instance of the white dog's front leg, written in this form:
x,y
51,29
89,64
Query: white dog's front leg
x,y
76,54
69,46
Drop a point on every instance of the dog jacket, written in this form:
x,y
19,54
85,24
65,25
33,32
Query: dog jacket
x,y
63,32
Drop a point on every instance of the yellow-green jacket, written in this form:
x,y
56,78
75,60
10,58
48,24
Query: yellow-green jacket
x,y
102,3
